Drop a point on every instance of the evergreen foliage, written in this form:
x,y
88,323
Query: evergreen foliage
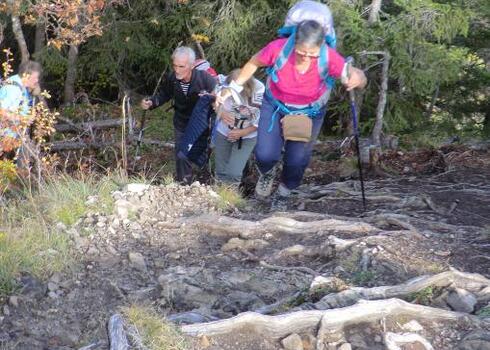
x,y
438,76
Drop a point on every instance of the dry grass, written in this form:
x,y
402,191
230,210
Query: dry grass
x,y
149,330
29,240
230,197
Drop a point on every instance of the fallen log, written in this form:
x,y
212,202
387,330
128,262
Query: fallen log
x,y
93,125
78,145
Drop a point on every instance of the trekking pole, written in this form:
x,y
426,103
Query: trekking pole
x,y
352,98
143,118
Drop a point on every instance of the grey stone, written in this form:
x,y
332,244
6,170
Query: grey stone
x,y
116,223
476,340
461,300
194,296
61,226
136,188
474,345
238,301
91,200
32,287
236,278
92,251
53,295
358,341
345,346
14,301
137,261
182,286
6,310
292,342
52,286
123,208
56,278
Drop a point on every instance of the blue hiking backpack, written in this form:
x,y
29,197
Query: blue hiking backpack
x,y
302,11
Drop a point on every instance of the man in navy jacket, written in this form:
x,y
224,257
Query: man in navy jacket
x,y
183,86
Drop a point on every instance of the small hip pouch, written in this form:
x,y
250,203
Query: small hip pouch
x,y
297,127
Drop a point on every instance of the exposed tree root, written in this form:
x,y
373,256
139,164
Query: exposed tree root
x,y
289,268
117,335
227,226
269,309
380,218
332,321
471,282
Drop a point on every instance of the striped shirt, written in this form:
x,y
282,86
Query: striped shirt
x,y
184,86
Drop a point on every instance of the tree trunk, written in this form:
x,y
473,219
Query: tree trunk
x,y
486,124
433,101
71,75
374,13
2,27
378,125
40,39
19,36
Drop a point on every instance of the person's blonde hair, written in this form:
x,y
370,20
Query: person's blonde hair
x,y
248,87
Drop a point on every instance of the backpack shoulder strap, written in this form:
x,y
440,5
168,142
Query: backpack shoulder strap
x,y
285,52
323,70
6,82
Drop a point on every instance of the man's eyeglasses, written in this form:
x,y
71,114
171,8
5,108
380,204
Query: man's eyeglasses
x,y
306,54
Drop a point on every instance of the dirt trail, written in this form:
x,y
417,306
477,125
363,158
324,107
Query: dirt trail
x,y
171,247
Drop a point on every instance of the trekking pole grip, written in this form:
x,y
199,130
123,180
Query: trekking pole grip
x,y
352,96
349,61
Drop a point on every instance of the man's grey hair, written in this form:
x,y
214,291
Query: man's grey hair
x,y
185,51
30,67
310,33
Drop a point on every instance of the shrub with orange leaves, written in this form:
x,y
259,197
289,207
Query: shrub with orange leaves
x,y
71,22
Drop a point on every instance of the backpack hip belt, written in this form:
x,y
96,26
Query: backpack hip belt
x,y
312,110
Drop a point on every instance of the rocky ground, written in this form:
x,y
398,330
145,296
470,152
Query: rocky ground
x,y
410,272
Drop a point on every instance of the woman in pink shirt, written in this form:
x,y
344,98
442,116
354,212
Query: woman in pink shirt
x,y
296,88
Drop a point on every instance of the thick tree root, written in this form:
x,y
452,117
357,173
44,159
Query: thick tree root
x,y
474,283
364,312
331,322
226,226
